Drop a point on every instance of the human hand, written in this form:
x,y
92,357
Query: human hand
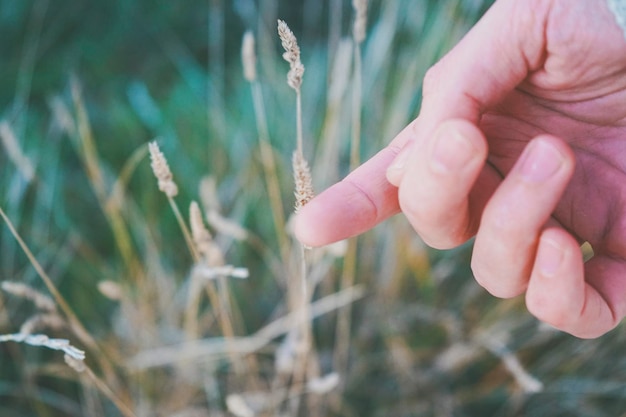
x,y
521,142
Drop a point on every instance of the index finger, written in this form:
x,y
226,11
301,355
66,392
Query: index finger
x,y
354,205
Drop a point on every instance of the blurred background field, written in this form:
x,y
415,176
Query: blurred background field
x,y
84,86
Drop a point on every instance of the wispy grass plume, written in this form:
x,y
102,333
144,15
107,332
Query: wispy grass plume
x,y
44,341
165,179
300,297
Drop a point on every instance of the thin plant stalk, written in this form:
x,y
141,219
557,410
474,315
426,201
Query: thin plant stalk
x,y
60,300
184,229
300,295
216,42
335,17
248,55
222,309
299,291
112,212
212,348
269,166
218,297
342,347
75,324
211,257
101,386
117,194
221,312
299,136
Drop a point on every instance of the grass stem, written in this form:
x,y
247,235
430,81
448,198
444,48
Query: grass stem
x,y
269,168
342,335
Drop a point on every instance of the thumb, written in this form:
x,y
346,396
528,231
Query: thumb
x,y
495,56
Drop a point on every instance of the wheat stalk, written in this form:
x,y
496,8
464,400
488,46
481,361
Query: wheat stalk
x,y
360,20
211,267
162,171
303,193
212,348
348,275
303,181
15,153
75,323
202,239
207,253
203,251
81,368
165,180
358,34
248,57
89,154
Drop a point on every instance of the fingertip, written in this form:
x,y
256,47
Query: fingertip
x,y
401,146
550,254
340,212
556,290
546,156
304,228
395,172
436,190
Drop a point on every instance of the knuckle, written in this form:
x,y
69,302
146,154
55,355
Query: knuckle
x,y
439,227
431,81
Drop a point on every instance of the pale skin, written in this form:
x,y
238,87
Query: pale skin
x,y
520,143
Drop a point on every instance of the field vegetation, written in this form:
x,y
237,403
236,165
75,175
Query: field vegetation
x,y
147,265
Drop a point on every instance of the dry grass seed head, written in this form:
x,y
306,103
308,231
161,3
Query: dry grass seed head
x,y
111,290
162,171
40,322
226,226
208,194
45,341
238,407
202,239
201,235
214,272
360,20
303,181
41,301
248,57
324,384
291,55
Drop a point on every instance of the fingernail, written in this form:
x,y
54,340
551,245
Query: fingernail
x,y
549,258
452,151
540,161
399,163
395,171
